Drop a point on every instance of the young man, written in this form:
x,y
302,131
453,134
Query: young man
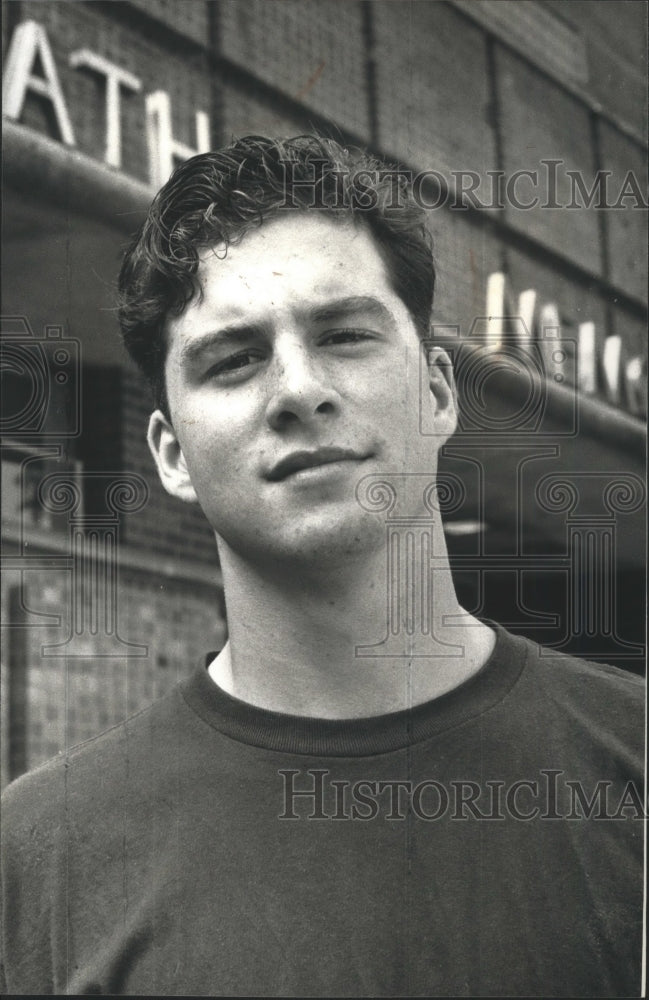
x,y
315,812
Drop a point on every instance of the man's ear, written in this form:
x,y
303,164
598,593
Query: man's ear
x,y
442,387
169,458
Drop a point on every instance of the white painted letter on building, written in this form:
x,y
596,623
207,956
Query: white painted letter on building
x,y
30,42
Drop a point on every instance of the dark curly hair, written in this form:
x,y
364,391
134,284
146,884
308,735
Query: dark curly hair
x,y
218,197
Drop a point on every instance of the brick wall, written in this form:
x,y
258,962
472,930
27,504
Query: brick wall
x,y
70,699
311,52
614,35
246,112
191,19
626,227
540,121
432,89
465,255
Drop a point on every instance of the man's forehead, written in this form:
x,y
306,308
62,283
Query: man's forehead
x,y
295,260
302,239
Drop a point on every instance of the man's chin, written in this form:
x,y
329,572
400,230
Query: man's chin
x,y
312,543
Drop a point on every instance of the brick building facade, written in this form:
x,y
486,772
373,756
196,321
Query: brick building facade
x,y
496,105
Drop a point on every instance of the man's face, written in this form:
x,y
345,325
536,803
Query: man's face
x,y
295,373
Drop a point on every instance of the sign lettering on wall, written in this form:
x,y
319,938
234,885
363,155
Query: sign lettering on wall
x,y
30,50
607,373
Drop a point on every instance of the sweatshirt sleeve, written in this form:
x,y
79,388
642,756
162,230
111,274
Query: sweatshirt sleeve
x,y
33,883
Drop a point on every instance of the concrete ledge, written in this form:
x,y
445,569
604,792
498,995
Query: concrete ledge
x,y
48,170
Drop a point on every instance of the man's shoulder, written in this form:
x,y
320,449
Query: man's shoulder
x,y
91,772
566,700
590,679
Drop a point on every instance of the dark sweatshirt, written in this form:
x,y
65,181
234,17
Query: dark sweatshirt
x,y
487,843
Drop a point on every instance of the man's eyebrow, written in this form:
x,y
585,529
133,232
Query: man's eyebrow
x,y
242,333
351,306
236,333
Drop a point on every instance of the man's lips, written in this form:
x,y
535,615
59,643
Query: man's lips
x,y
298,460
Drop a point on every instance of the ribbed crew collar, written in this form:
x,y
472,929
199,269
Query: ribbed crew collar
x,y
365,736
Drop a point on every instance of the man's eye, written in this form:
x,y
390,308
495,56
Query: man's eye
x,y
348,336
235,364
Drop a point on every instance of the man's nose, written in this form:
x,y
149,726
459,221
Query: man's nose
x,y
300,389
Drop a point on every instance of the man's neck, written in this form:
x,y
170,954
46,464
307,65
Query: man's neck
x,y
302,643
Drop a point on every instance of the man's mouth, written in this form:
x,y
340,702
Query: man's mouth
x,y
299,460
